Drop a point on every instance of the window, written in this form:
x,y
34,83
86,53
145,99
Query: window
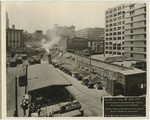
x,y
119,28
131,48
106,43
144,42
123,33
115,19
110,38
131,31
106,52
145,9
110,29
115,10
123,16
131,55
119,8
114,38
119,38
131,42
114,33
119,18
106,38
110,25
131,24
144,49
114,28
132,13
131,18
114,52
115,15
132,6
119,33
115,24
119,23
131,36
144,56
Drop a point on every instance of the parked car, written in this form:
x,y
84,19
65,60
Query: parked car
x,y
69,72
79,77
85,81
76,75
90,84
99,86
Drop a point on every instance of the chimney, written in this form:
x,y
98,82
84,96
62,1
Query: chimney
x,y
13,26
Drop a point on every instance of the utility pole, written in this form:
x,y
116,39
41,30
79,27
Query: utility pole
x,y
90,68
26,79
77,60
16,98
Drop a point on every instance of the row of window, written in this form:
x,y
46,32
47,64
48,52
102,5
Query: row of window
x,y
115,28
115,15
115,53
115,38
115,33
115,24
115,19
110,43
115,9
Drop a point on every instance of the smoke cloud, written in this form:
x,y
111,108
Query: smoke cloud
x,y
47,45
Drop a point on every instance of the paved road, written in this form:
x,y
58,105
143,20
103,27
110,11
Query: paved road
x,y
13,72
89,98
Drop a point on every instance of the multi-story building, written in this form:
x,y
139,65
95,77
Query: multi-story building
x,y
90,33
114,31
38,33
135,31
96,46
61,31
14,38
7,21
73,44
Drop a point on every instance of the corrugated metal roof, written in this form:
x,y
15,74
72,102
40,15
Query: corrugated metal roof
x,y
43,75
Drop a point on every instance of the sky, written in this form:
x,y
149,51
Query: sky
x,y
32,16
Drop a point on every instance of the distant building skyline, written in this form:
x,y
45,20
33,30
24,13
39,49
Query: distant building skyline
x,y
80,14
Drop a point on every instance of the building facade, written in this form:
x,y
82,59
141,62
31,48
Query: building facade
x,y
135,31
96,46
7,21
14,38
114,32
73,44
61,31
90,33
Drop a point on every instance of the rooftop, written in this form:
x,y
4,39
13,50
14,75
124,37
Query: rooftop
x,y
40,76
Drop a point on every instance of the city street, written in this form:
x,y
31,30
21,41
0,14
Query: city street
x,y
89,98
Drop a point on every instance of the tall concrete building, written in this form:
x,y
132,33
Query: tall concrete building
x,y
114,31
90,33
135,31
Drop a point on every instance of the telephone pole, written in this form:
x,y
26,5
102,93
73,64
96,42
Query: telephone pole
x,y
16,98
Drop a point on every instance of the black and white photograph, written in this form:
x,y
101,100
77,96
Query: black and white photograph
x,y
76,58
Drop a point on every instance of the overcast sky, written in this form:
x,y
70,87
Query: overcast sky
x,y
31,16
